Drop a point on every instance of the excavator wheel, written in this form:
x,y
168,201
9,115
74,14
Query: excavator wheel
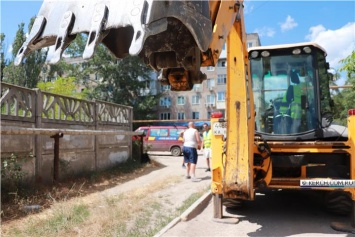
x,y
232,203
338,202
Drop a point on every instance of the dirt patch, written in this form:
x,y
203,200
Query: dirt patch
x,y
19,204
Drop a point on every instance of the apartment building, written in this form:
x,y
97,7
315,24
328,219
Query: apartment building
x,y
204,98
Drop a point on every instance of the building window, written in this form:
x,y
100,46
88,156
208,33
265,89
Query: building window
x,y
181,100
222,63
165,116
152,85
222,79
195,115
250,44
210,99
195,99
209,68
86,78
197,87
147,84
181,115
165,101
210,83
221,96
165,87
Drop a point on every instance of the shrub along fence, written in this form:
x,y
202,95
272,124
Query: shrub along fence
x,y
51,137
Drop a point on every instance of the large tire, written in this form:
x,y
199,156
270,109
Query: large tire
x,y
338,202
175,151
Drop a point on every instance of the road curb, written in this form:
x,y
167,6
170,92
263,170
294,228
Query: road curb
x,y
168,227
195,209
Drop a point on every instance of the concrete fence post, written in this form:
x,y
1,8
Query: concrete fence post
x,y
96,138
38,103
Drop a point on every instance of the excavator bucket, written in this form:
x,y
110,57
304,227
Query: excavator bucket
x,y
168,35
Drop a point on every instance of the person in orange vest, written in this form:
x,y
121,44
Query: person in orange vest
x,y
206,144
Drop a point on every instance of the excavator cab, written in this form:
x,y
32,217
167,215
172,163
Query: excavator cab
x,y
291,91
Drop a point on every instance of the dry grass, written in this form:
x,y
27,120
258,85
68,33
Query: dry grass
x,y
135,213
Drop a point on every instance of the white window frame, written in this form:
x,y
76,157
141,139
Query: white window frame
x,y
221,79
223,63
180,115
165,116
210,99
182,98
210,68
197,87
194,115
165,87
165,101
210,82
196,99
221,96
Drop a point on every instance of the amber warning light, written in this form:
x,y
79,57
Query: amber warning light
x,y
351,112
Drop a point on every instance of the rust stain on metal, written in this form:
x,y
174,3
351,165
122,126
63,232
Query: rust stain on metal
x,y
237,108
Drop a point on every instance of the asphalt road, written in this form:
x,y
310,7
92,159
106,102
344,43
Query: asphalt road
x,y
272,213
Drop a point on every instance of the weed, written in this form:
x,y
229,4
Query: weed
x,y
64,219
138,212
12,173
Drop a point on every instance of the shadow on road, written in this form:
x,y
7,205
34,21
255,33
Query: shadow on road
x,y
287,212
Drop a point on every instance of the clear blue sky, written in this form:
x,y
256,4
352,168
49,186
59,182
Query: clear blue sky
x,y
328,23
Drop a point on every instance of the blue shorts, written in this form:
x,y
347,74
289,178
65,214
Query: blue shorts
x,y
190,155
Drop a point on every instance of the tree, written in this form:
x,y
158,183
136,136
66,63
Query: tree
x,y
2,54
345,100
349,66
28,73
65,69
123,82
61,86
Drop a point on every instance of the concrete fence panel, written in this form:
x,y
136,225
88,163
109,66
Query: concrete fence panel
x,y
94,135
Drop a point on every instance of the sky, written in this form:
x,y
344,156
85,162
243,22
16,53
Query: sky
x,y
331,24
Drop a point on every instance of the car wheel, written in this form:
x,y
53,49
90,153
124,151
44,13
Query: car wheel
x,y
176,151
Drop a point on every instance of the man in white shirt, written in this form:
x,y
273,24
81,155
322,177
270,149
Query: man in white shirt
x,y
192,142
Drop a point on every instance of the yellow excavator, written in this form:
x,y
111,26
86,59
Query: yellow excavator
x,y
277,131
